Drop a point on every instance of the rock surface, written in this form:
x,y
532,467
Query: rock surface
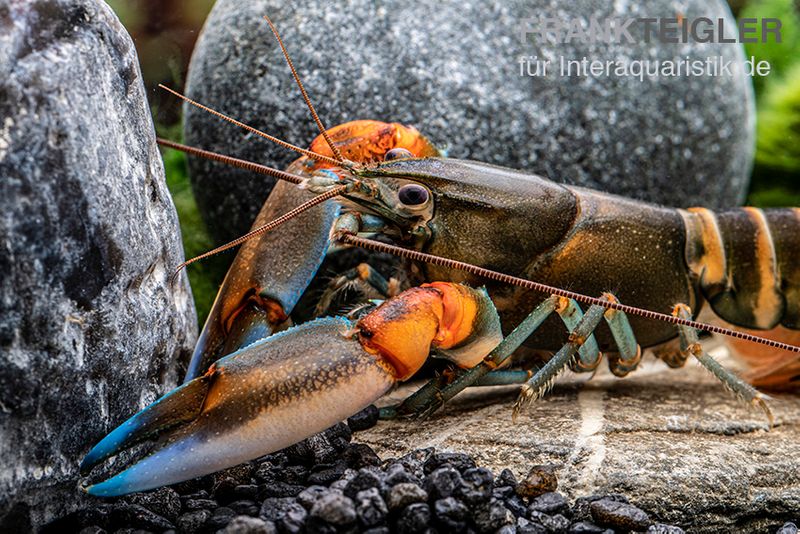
x,y
90,329
262,497
673,442
452,69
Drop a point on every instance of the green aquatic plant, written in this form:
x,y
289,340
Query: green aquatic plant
x,y
778,130
781,56
776,175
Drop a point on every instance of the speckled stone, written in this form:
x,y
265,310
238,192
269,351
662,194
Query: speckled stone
x,y
91,331
451,69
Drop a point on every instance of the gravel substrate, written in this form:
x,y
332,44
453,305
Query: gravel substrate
x,y
327,484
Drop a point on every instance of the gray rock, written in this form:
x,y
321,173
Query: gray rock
x,y
199,504
451,69
309,496
335,509
193,522
163,501
405,493
549,503
451,514
274,508
787,528
294,519
370,507
443,482
619,515
414,518
674,442
659,528
249,525
90,329
492,516
138,517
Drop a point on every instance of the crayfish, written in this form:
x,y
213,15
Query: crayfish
x,y
489,250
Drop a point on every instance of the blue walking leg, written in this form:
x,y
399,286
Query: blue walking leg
x,y
589,354
541,382
504,377
629,352
690,345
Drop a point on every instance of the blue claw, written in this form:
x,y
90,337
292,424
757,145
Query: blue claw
x,y
274,393
176,407
267,278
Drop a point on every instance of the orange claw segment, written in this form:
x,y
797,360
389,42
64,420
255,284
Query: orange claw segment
x,y
459,311
402,329
442,314
366,141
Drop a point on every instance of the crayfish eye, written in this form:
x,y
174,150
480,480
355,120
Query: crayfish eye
x,y
397,153
412,195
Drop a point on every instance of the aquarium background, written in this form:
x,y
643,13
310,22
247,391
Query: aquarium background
x,y
165,31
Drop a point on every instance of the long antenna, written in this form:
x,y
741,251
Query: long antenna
x,y
310,154
233,162
319,199
415,255
322,129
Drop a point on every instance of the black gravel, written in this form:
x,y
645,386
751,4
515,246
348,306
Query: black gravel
x,y
327,484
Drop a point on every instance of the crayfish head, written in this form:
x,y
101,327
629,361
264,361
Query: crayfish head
x,y
452,318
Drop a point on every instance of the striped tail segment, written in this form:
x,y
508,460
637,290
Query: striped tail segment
x,y
747,264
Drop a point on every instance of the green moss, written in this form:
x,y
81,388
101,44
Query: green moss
x,y
776,173
774,197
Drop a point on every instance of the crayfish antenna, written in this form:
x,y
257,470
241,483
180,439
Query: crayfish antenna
x,y
348,238
234,162
322,130
291,214
281,142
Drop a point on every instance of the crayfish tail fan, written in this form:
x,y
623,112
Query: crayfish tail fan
x,y
771,368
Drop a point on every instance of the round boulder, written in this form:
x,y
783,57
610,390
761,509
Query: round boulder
x,y
453,70
91,330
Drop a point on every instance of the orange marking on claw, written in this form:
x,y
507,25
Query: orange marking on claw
x,y
459,311
273,310
401,330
